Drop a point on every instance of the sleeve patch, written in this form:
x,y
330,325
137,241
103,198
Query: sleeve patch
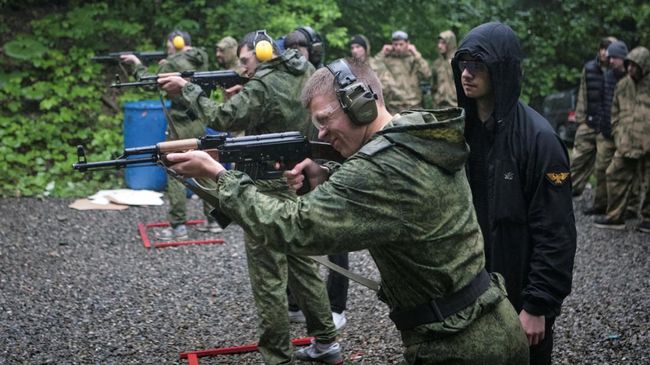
x,y
557,178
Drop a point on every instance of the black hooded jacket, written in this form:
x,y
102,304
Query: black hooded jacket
x,y
519,174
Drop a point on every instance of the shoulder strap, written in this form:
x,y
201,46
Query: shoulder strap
x,y
376,145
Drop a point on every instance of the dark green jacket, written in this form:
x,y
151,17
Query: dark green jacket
x,y
268,103
404,196
185,125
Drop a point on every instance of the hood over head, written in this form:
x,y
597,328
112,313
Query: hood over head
x,y
196,56
450,38
640,56
290,61
496,45
435,135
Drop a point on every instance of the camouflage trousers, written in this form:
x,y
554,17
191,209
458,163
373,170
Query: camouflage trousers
x,y
628,181
592,153
495,338
183,127
177,195
270,273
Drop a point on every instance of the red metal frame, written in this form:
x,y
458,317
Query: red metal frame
x,y
142,228
193,356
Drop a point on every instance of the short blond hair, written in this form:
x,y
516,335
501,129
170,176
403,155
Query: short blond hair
x,y
322,82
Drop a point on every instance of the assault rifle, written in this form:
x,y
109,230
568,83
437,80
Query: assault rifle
x,y
255,155
207,80
114,57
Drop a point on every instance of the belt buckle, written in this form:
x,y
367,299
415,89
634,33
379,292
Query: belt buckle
x,y
436,311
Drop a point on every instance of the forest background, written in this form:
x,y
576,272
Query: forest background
x,y
53,97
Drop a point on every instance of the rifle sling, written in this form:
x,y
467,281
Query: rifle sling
x,y
323,260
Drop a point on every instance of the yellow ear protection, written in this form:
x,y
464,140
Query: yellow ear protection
x,y
263,45
357,99
179,39
316,49
178,42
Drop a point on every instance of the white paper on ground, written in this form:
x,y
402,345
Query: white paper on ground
x,y
127,197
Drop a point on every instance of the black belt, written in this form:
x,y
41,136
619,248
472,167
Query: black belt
x,y
439,309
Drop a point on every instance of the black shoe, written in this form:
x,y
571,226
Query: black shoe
x,y
606,223
644,227
594,211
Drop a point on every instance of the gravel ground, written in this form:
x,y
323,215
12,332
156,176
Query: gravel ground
x,y
78,287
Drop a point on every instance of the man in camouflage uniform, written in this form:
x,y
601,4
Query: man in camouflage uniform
x,y
181,124
631,131
226,54
444,89
270,103
593,142
405,68
399,169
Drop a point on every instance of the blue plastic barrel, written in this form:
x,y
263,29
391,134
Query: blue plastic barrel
x,y
144,125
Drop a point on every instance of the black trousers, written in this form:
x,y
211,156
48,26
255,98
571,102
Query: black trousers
x,y
541,353
337,286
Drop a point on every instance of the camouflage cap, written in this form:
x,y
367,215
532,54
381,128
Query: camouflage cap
x,y
400,35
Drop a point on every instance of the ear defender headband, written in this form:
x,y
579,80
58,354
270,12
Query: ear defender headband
x,y
263,45
179,39
315,44
357,99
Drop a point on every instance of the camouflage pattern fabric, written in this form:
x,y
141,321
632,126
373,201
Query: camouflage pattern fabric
x,y
270,103
229,47
443,86
583,157
182,125
631,132
400,76
604,153
375,200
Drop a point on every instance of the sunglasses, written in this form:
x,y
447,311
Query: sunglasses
x,y
472,66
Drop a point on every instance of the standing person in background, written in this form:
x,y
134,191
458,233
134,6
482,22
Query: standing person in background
x,y
226,55
310,45
518,171
405,69
631,131
444,89
270,103
181,124
589,113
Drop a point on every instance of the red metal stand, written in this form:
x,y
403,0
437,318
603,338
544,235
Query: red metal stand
x,y
193,356
142,228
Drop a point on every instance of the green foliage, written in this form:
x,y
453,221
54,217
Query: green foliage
x,y
55,98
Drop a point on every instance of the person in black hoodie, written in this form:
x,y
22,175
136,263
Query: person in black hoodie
x,y
519,175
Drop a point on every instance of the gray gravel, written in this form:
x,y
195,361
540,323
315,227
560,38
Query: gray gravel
x,y
78,287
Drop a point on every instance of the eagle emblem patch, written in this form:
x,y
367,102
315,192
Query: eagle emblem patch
x,y
557,178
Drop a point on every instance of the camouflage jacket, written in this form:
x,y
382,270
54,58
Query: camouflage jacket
x,y
631,109
268,103
185,125
376,200
443,86
401,79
